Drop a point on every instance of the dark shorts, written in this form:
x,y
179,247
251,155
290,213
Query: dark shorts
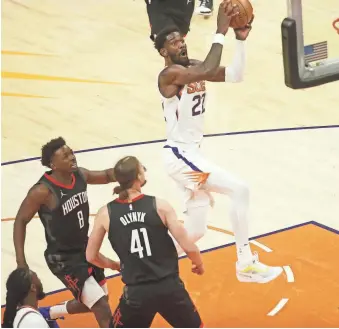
x,y
73,270
168,297
164,13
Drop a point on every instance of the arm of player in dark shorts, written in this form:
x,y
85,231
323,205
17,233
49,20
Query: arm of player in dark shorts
x,y
219,75
177,229
93,255
98,176
36,197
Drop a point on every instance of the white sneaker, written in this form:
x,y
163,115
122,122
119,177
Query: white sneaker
x,y
205,8
254,271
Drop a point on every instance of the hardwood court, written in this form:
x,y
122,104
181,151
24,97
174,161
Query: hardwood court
x,y
88,72
310,290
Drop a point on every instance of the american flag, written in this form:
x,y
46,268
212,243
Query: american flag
x,y
315,52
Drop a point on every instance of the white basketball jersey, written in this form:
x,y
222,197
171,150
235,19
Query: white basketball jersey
x,y
28,317
184,115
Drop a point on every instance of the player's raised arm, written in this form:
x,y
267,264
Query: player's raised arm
x,y
36,197
98,176
173,48
235,71
169,217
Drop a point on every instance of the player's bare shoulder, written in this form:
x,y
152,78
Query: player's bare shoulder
x,y
167,80
163,208
168,74
37,196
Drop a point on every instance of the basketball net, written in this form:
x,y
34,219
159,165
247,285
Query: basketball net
x,y
335,25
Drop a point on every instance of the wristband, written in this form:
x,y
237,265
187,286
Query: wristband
x,y
219,38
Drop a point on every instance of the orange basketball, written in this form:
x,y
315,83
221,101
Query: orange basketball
x,y
245,14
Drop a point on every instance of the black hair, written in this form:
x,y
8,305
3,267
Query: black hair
x,y
49,149
18,286
163,34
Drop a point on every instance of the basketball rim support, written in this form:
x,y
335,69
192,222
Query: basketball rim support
x,y
298,74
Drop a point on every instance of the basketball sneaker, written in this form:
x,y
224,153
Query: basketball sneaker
x,y
205,8
255,271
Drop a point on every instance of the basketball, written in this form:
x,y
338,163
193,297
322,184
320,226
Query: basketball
x,y
245,14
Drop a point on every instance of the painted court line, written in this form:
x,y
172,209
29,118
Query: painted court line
x,y
260,245
278,307
6,163
225,246
289,273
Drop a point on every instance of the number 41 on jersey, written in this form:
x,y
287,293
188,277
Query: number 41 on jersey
x,y
136,242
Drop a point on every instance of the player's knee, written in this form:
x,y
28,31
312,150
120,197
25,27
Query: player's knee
x,y
92,293
101,307
242,190
199,199
196,235
195,232
105,289
196,221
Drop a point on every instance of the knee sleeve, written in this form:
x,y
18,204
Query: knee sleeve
x,y
91,292
196,199
241,190
196,220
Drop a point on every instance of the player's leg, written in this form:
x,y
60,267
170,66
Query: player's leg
x,y
157,17
133,310
165,13
62,268
248,267
89,298
176,306
209,177
89,295
94,297
196,202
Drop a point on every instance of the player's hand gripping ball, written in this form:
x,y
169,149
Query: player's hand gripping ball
x,y
245,14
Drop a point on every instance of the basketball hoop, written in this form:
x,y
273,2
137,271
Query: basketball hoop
x,y
335,25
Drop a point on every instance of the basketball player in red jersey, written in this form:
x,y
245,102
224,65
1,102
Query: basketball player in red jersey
x,y
60,199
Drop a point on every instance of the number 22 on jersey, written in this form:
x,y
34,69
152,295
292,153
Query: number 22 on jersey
x,y
136,242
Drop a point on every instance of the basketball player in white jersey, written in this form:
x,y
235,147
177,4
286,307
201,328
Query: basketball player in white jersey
x,y
183,90
24,290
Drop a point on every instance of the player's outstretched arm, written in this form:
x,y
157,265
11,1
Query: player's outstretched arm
x,y
169,218
178,75
98,176
93,255
36,197
235,71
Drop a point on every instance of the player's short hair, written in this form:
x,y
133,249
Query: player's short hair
x,y
163,34
126,172
49,149
18,286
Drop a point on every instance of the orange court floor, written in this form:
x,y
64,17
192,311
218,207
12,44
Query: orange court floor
x,y
311,290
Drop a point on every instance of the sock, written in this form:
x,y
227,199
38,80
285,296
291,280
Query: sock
x,y
57,311
238,215
244,253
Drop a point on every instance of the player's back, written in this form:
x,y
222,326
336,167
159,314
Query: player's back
x,y
66,226
184,115
141,240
